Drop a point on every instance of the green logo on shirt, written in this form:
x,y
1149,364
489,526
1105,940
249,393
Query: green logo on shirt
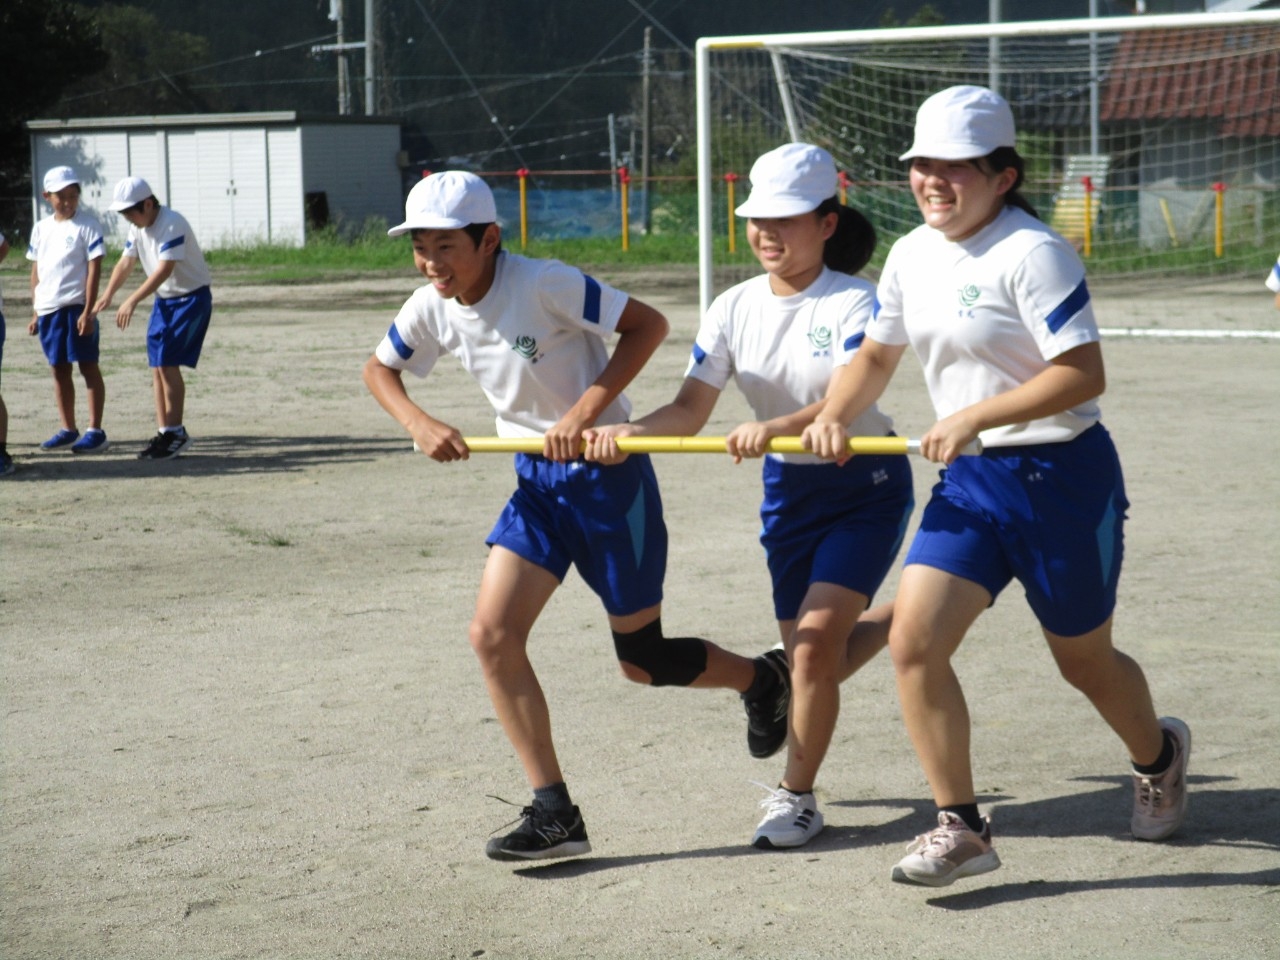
x,y
820,338
526,346
968,295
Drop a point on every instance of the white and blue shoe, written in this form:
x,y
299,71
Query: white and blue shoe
x,y
63,438
790,819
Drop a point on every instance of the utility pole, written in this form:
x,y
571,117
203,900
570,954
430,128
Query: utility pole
x,y
341,48
370,93
644,129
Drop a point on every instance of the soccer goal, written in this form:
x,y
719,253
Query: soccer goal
x,y
1152,143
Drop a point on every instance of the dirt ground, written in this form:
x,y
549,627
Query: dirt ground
x,y
241,718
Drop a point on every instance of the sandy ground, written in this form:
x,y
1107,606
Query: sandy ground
x,y
241,718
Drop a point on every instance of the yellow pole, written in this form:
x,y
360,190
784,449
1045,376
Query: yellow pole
x,y
730,179
865,445
626,214
523,174
1168,221
1218,190
1088,216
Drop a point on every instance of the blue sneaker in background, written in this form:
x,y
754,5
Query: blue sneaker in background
x,y
63,438
93,441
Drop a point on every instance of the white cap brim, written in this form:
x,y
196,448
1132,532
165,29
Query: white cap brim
x,y
775,207
427,223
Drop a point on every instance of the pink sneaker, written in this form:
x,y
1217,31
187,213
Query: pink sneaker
x,y
945,854
1160,803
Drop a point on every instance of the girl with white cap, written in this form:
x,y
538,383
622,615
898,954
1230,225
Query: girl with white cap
x,y
995,305
830,533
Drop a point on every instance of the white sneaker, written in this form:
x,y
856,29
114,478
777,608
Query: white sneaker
x,y
1160,803
790,819
945,854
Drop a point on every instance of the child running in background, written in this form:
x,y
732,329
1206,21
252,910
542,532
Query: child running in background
x,y
1273,281
830,532
532,333
995,305
66,251
176,273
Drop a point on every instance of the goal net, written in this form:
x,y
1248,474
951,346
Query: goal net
x,y
1152,143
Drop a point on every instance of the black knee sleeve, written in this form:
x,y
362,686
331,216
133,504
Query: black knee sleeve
x,y
669,661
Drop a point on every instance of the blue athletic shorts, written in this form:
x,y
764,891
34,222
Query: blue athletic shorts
x,y
1051,514
175,335
605,521
823,523
61,342
1,339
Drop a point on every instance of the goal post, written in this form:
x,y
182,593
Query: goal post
x,y
1152,142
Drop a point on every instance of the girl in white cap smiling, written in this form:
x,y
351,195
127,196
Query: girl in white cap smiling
x,y
995,305
830,533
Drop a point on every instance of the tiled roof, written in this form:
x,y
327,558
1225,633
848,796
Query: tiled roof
x,y
1230,75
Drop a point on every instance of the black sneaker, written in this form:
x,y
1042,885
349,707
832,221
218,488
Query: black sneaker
x,y
767,717
542,835
165,446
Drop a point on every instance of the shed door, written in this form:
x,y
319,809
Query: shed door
x,y
219,182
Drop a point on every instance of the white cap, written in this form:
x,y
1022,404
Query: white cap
x,y
59,178
962,123
447,201
793,179
129,192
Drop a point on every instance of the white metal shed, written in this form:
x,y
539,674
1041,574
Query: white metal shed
x,y
237,177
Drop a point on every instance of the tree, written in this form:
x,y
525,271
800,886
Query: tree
x,y
45,45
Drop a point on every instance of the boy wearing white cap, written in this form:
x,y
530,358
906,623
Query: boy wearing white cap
x,y
830,532
532,333
176,273
994,303
66,251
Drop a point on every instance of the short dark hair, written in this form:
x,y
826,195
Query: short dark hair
x,y
475,231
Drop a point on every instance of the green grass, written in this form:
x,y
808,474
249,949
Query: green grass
x,y
329,255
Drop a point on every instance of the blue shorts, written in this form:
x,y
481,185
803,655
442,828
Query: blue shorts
x,y
605,521
175,335
1051,514
1,338
824,523
61,342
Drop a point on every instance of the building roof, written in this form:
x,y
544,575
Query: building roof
x,y
1226,75
268,118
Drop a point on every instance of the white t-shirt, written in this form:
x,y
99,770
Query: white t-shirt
x,y
986,314
62,250
1273,278
169,238
534,343
781,351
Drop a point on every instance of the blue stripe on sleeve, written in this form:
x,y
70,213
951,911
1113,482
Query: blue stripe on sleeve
x,y
875,307
855,341
97,242
128,247
402,348
1068,308
1275,271
698,354
175,242
591,302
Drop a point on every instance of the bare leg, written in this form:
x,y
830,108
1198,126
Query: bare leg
x,y
97,390
869,636
817,651
1115,685
932,612
513,592
170,393
64,394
